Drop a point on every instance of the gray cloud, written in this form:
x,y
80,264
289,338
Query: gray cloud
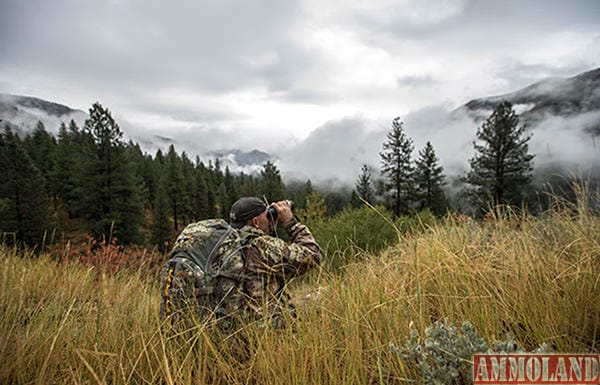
x,y
566,140
200,45
335,150
489,24
410,19
207,111
311,96
339,148
194,140
416,81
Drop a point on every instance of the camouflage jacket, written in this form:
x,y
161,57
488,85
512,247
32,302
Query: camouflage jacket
x,y
270,263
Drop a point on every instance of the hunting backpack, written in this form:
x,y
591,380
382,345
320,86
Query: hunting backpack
x,y
202,280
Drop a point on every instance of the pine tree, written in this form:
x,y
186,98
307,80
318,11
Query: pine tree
x,y
73,151
222,199
502,166
271,186
363,188
232,191
306,192
315,210
61,165
201,210
174,185
429,181
214,179
137,159
396,165
211,199
297,191
161,223
23,199
158,166
111,190
248,186
159,159
40,146
217,173
189,186
150,174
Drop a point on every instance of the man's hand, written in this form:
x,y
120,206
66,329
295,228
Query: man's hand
x,y
284,211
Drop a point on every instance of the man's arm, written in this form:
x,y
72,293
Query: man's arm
x,y
275,256
301,236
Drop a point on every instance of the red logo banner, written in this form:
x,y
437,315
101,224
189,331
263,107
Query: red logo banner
x,y
536,369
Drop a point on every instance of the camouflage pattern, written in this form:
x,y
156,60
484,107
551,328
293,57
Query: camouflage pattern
x,y
190,282
249,276
271,263
178,292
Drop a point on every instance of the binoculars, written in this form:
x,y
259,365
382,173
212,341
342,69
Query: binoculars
x,y
272,212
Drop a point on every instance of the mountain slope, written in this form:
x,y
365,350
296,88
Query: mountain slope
x,y
50,108
566,98
22,113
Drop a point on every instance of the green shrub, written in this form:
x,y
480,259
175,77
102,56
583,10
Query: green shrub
x,y
350,234
355,232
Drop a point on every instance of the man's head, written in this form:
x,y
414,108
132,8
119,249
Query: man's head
x,y
250,211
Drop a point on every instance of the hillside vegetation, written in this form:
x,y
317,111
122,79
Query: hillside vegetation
x,y
67,322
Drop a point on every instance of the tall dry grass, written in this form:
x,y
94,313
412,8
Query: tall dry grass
x,y
536,278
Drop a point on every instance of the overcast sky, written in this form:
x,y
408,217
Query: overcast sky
x,y
284,75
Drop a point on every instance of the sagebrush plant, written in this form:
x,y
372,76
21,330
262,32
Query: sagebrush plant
x,y
533,278
444,355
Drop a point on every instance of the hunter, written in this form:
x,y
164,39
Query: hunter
x,y
270,262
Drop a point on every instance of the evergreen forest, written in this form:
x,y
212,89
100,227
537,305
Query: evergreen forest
x,y
89,180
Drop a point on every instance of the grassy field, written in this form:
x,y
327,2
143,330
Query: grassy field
x,y
535,278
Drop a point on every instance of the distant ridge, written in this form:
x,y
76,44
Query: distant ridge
x,y
22,114
243,158
51,108
565,97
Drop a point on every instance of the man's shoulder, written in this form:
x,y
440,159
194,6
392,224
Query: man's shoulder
x,y
250,232
258,238
203,226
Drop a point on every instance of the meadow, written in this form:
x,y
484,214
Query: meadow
x,y
94,320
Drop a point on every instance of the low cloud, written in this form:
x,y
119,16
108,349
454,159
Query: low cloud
x,y
567,141
416,81
336,150
339,148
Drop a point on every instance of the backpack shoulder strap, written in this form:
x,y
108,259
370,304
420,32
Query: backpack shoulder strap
x,y
240,241
213,253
